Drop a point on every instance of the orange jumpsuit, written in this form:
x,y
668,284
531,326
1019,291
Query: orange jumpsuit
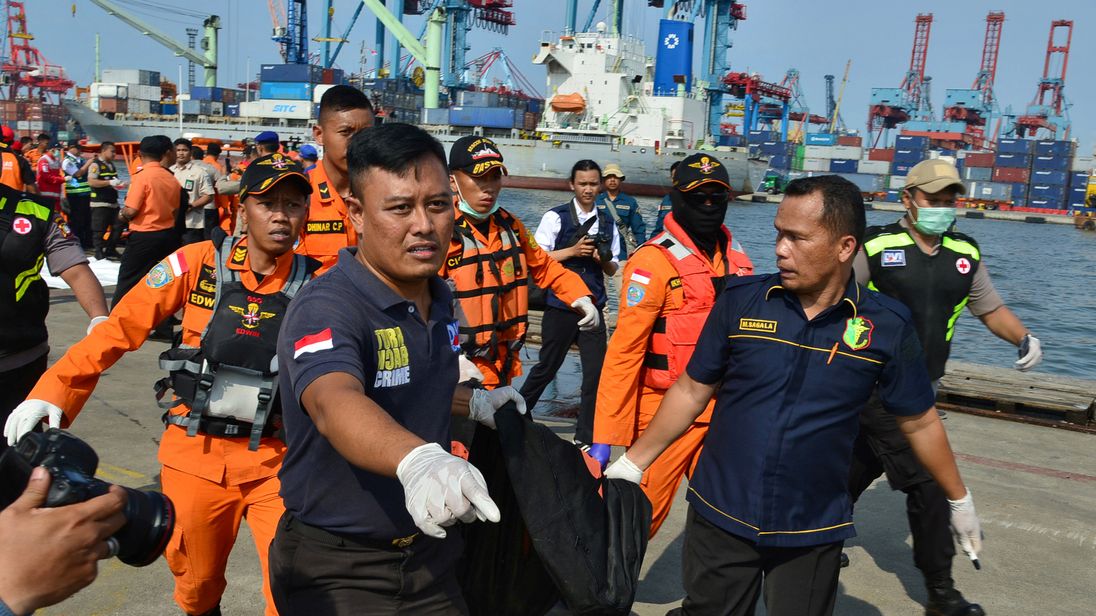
x,y
627,397
491,289
328,229
214,482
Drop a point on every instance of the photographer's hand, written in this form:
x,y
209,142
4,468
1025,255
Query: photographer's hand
x,y
584,248
48,554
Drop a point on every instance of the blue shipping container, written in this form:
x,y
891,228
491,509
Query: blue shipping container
x,y
1078,179
838,165
1054,148
911,142
1047,204
1077,196
773,148
1019,202
291,72
1015,161
169,109
284,90
761,136
901,168
674,56
909,157
1058,178
754,150
1014,146
893,196
233,110
1051,163
204,93
821,139
780,161
488,117
1019,190
1047,191
735,141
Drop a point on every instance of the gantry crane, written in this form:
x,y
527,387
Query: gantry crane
x,y
1048,112
974,107
291,29
893,106
755,93
32,77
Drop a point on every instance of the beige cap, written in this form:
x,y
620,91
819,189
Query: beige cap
x,y
612,169
932,176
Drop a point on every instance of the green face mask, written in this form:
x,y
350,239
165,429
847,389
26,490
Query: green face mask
x,y
934,220
463,206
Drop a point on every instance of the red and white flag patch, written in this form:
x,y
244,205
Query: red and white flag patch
x,y
320,341
178,263
641,276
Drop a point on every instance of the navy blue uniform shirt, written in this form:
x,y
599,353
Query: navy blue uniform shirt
x,y
349,321
775,464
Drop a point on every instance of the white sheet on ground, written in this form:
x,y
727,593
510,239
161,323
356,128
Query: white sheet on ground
x,y
105,270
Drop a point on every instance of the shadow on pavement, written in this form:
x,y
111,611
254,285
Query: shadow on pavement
x,y
883,532
662,583
853,606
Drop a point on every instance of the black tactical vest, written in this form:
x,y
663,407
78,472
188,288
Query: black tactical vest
x,y
107,194
24,297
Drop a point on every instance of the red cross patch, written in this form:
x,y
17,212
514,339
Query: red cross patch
x,y
962,264
21,225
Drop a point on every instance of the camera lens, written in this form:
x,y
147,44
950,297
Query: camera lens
x,y
150,520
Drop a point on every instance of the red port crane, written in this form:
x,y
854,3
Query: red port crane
x,y
893,106
975,106
27,68
1048,110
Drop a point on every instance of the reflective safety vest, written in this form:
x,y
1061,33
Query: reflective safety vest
x,y
10,172
674,335
231,380
78,184
935,288
492,291
24,297
106,194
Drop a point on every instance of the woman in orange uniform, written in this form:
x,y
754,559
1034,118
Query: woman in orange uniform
x,y
489,262
670,285
217,467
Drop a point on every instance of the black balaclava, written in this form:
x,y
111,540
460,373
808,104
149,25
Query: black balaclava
x,y
701,222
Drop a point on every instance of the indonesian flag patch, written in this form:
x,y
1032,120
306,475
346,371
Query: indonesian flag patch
x,y
178,263
641,276
320,341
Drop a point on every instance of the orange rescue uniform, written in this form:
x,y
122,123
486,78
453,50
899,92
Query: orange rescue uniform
x,y
490,278
328,229
666,297
213,482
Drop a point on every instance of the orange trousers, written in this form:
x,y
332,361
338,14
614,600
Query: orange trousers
x,y
207,520
664,475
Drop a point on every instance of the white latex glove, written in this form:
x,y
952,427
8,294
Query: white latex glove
x,y
27,416
484,403
1031,353
590,314
965,525
624,468
95,321
440,489
468,370
115,182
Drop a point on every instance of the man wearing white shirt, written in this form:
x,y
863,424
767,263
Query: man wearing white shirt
x,y
586,242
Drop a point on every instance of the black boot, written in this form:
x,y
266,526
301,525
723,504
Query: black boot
x,y
945,600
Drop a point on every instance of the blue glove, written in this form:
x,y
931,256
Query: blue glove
x,y
600,452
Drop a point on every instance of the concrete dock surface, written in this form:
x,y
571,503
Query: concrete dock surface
x,y
1034,488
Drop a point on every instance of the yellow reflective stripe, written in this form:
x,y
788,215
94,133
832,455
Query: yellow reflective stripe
x,y
766,532
955,317
31,208
803,346
24,279
872,287
891,240
721,512
961,247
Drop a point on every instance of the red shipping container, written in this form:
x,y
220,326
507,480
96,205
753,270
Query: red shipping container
x,y
112,105
886,154
855,142
979,159
1011,174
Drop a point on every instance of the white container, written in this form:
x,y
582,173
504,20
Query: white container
x,y
109,90
820,151
319,90
816,164
122,75
896,182
1083,163
875,167
846,152
250,109
217,109
288,109
139,106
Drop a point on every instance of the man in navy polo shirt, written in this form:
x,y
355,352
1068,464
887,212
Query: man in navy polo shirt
x,y
794,357
369,373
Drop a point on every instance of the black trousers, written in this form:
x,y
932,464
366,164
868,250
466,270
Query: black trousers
x,y
882,448
15,385
723,574
80,217
211,220
143,250
193,236
559,330
315,573
102,219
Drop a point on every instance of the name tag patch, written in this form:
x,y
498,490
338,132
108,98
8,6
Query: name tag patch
x,y
894,258
757,325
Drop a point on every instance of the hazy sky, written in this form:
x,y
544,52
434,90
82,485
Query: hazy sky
x,y
814,37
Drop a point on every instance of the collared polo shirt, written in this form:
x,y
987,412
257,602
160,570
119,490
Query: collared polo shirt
x,y
349,321
775,464
156,195
197,181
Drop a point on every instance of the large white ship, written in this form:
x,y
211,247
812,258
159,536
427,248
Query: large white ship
x,y
601,105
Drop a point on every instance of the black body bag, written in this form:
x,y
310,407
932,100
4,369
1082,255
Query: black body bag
x,y
587,547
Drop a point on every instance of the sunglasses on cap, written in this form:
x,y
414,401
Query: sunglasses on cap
x,y
699,197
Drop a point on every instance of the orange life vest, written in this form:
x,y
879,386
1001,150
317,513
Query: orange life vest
x,y
492,290
674,334
10,174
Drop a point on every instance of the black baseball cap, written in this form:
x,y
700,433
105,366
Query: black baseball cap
x,y
264,172
475,155
700,169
